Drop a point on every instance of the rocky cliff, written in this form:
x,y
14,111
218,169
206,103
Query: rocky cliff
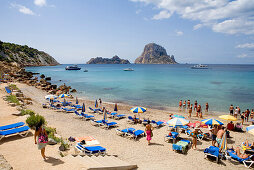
x,y
155,54
113,60
24,55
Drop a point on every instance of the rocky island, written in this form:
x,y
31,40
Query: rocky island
x,y
155,54
113,60
24,55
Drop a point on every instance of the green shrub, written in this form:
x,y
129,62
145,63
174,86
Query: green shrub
x,y
50,130
13,99
64,144
27,112
34,120
13,87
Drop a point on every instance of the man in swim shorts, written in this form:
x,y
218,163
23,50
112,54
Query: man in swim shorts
x,y
219,136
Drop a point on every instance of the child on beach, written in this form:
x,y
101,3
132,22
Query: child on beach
x,y
194,138
149,132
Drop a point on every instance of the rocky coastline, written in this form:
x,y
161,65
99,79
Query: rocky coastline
x,y
113,60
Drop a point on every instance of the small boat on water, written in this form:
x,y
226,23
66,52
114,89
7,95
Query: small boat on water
x,y
200,66
74,67
85,70
128,69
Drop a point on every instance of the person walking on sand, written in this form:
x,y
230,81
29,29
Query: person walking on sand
x,y
190,110
206,107
180,105
220,135
184,105
195,105
231,110
149,132
188,104
214,134
41,139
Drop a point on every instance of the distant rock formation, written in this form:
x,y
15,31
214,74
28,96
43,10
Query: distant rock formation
x,y
24,55
155,54
113,60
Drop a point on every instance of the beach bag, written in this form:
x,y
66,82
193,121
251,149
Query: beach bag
x,y
43,138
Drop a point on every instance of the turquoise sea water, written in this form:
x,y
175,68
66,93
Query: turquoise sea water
x,y
160,85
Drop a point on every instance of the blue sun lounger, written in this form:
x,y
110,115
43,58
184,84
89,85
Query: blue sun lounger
x,y
245,161
124,132
134,135
7,89
157,124
86,116
11,126
117,117
173,136
110,124
77,113
20,131
91,150
94,110
213,152
182,146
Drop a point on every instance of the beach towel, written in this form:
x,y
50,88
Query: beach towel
x,y
180,146
212,150
86,138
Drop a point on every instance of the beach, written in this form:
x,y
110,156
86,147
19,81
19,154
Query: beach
x,y
159,155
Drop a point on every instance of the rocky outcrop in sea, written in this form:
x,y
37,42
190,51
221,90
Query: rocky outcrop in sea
x,y
155,54
113,60
24,55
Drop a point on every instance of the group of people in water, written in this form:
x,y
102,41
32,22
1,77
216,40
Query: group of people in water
x,y
197,107
244,115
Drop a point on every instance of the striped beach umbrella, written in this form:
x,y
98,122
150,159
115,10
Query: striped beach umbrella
x,y
83,108
63,95
96,104
76,100
115,109
228,117
211,122
178,116
250,129
138,110
178,122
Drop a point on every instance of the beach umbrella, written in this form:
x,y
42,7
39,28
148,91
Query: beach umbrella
x,y
115,109
211,122
228,117
223,145
178,122
63,95
83,108
76,100
250,129
96,104
178,116
47,97
138,110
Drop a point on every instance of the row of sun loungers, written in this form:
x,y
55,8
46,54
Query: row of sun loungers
x,y
11,129
130,133
91,150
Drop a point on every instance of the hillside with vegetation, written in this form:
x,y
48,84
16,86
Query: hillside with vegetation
x,y
24,55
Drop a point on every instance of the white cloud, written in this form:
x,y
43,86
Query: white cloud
x,y
40,2
244,56
179,33
23,9
225,16
162,15
196,27
246,45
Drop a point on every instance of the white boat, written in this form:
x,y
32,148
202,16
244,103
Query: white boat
x,y
74,67
200,66
85,70
128,69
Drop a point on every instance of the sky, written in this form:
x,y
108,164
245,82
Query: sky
x,y
73,31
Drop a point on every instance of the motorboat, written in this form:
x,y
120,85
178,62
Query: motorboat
x,y
128,69
85,70
74,67
200,66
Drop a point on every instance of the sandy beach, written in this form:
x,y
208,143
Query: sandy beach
x,y
20,152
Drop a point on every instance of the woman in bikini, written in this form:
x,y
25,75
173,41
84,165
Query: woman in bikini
x,y
195,105
198,110
190,110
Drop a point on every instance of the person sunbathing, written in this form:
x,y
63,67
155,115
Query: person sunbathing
x,y
246,143
238,153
